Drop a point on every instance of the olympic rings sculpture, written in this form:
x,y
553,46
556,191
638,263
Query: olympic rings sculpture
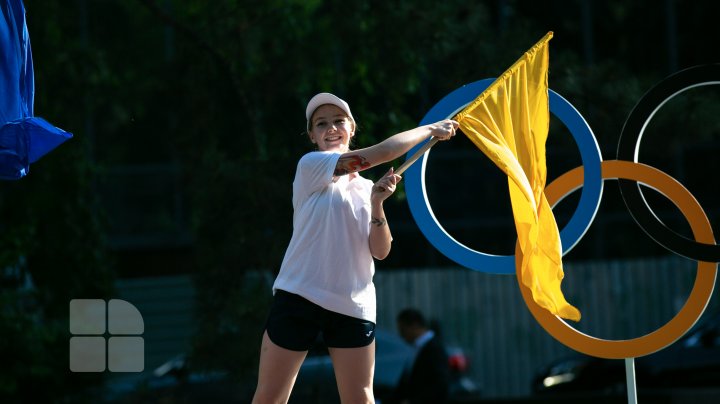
x,y
590,176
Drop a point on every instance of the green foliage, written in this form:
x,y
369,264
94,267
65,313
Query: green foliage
x,y
54,252
34,352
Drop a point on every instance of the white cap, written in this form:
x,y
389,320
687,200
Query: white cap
x,y
326,98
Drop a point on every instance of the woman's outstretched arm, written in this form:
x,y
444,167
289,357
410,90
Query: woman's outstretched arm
x,y
393,147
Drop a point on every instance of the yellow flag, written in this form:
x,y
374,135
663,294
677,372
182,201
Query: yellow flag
x,y
509,122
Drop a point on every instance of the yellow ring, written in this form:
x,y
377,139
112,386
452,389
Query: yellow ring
x,y
696,302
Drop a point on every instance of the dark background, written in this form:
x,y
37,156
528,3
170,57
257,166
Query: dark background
x,y
188,119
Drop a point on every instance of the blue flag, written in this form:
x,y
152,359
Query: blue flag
x,y
24,138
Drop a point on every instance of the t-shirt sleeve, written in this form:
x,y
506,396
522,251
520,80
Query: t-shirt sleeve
x,y
314,172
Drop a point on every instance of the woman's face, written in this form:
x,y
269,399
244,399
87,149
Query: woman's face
x,y
331,129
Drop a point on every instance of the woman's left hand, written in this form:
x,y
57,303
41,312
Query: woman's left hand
x,y
385,186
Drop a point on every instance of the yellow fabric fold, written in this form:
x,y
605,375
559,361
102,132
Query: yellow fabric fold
x,y
509,122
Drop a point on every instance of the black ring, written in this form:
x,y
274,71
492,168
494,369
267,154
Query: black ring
x,y
628,145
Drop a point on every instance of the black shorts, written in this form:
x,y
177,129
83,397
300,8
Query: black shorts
x,y
296,323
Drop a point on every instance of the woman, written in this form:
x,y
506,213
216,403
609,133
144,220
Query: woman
x,y
325,282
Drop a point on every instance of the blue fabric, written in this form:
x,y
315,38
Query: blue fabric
x,y
23,137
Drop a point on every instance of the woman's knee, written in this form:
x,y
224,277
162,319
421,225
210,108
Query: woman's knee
x,y
359,396
264,395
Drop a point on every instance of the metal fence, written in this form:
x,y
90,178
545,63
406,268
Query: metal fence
x,y
167,305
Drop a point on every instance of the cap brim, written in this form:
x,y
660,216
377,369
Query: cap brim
x,y
326,98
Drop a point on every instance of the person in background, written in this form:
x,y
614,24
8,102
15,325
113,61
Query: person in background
x,y
324,287
428,379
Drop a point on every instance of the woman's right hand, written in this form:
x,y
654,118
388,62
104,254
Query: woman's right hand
x,y
443,130
385,186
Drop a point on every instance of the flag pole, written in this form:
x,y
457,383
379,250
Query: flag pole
x,y
430,143
630,379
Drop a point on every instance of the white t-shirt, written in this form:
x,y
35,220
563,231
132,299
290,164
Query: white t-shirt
x,y
328,261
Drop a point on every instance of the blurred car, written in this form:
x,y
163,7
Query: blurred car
x,y
175,380
692,361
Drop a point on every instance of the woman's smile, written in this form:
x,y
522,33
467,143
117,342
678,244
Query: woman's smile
x,y
331,128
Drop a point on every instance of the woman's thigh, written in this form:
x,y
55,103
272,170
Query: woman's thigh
x,y
278,370
354,370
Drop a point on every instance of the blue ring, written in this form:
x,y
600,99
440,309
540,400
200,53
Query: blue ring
x,y
505,264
